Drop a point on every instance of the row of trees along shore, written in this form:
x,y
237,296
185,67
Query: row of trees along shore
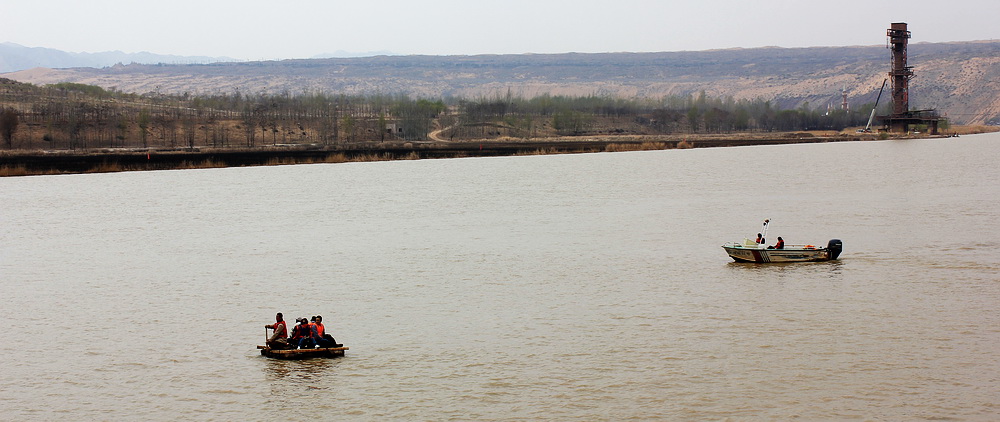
x,y
78,116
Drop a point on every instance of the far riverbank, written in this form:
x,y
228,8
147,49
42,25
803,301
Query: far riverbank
x,y
26,163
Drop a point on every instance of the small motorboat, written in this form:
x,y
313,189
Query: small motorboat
x,y
319,352
750,251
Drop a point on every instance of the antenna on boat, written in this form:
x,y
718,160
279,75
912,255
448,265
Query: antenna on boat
x,y
764,229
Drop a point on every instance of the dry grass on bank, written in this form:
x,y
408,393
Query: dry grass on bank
x,y
17,170
645,146
971,129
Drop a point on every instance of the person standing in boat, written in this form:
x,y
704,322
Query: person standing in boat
x,y
760,239
278,340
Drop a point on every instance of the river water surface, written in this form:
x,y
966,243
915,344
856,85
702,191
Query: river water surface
x,y
568,287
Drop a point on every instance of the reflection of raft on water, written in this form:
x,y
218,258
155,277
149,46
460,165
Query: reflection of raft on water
x,y
322,352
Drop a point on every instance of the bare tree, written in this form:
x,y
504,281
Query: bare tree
x,y
143,123
8,126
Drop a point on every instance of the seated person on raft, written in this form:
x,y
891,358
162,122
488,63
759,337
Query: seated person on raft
x,y
324,339
278,340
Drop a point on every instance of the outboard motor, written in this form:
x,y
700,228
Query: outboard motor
x,y
835,246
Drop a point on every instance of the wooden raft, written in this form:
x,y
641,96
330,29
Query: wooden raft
x,y
322,352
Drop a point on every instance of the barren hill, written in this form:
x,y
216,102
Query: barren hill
x,y
962,80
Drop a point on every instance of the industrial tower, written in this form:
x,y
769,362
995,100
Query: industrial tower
x,y
900,74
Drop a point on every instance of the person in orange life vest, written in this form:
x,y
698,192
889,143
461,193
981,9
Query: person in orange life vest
x,y
298,332
325,340
779,245
278,340
760,238
309,336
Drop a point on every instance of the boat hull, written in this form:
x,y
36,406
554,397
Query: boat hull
x,y
765,256
296,354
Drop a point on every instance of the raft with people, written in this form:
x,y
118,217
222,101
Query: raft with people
x,y
308,340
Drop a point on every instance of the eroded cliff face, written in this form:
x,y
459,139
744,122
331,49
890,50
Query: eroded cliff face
x,y
961,80
966,91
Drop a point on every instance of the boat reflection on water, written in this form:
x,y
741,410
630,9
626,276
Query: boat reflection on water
x,y
805,270
307,370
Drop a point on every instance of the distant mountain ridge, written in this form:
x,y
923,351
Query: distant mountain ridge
x,y
346,54
960,79
15,57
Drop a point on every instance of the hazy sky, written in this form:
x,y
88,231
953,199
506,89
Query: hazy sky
x,y
278,29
